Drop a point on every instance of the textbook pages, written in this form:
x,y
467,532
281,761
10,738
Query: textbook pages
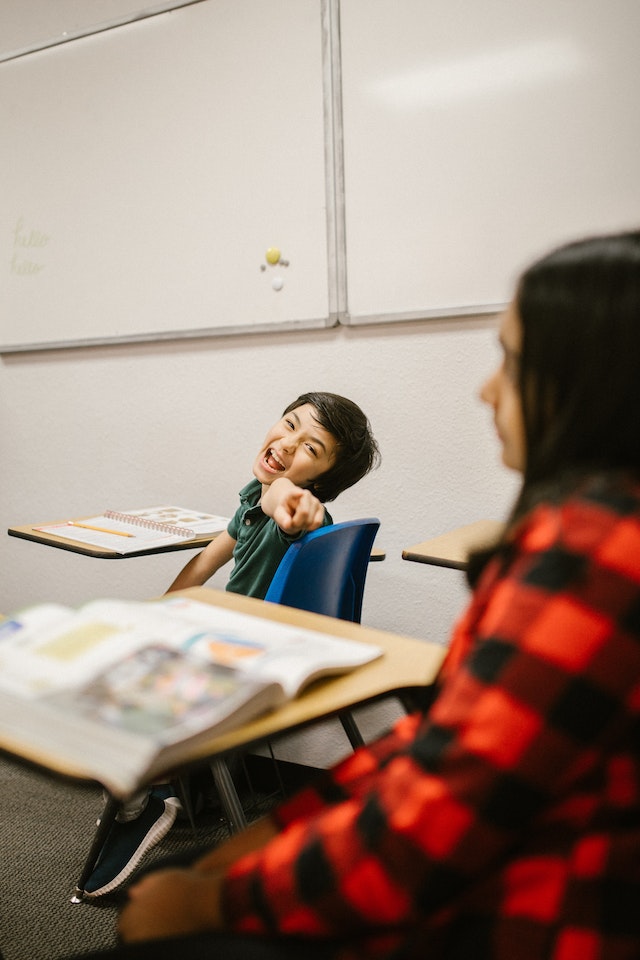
x,y
131,531
116,689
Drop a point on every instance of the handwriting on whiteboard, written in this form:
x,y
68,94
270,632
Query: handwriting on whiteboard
x,y
28,243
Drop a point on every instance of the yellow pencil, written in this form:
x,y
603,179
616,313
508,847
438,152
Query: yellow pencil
x,y
87,526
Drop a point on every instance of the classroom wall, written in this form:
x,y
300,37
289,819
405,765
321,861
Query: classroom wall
x,y
132,426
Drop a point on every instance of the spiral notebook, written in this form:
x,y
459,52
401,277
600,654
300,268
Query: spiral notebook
x,y
134,530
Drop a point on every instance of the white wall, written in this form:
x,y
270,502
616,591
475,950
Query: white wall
x,y
129,426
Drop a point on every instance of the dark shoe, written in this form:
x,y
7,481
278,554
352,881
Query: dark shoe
x,y
127,843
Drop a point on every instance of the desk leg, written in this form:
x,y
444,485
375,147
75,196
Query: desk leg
x,y
106,821
351,729
228,795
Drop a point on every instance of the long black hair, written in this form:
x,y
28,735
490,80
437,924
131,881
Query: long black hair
x,y
580,364
579,377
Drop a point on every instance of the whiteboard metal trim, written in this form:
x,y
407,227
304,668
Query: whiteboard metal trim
x,y
168,335
334,159
437,313
68,37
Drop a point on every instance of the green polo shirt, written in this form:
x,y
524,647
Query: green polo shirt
x,y
260,544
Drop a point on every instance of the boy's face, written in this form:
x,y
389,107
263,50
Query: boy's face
x,y
296,447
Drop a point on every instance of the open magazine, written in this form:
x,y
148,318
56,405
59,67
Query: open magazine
x,y
116,687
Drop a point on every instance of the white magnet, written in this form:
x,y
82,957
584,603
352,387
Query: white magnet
x,y
277,283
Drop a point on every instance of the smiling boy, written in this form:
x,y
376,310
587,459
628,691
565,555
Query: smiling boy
x,y
321,445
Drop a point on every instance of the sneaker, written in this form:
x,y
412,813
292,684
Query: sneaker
x,y
127,843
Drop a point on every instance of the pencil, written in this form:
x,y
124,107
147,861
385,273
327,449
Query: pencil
x,y
87,526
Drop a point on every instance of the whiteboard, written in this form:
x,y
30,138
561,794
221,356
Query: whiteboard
x,y
147,171
476,135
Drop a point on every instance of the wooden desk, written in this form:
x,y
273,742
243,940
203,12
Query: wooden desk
x,y
452,549
406,663
29,531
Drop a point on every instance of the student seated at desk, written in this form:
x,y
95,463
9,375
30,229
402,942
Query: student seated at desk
x,y
504,823
321,445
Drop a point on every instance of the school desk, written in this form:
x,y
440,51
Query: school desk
x,y
452,549
30,531
406,664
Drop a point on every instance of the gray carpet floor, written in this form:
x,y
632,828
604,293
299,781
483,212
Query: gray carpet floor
x,y
46,826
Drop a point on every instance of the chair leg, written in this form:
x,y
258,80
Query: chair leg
x,y
351,729
228,795
106,821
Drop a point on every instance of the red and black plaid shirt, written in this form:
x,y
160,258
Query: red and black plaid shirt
x,y
505,825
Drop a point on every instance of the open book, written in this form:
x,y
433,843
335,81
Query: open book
x,y
116,689
134,530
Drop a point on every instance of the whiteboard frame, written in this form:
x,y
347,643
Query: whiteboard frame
x,y
334,161
437,313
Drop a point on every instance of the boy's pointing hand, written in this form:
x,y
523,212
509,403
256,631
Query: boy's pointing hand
x,y
293,508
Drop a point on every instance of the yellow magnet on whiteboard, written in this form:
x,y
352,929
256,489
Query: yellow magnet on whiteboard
x,y
272,255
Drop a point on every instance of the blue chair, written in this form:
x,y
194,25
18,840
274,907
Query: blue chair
x,y
322,572
325,571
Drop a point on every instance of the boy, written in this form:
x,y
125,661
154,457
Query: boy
x,y
321,445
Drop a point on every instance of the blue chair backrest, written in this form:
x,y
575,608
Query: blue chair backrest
x,y
325,570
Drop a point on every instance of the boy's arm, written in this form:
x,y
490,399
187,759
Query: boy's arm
x,y
293,508
205,563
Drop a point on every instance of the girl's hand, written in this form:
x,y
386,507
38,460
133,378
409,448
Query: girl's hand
x,y
170,903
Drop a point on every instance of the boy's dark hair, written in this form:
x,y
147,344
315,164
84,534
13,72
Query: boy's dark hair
x,y
357,451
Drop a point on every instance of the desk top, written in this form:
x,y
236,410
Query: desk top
x,y
452,549
29,531
405,663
